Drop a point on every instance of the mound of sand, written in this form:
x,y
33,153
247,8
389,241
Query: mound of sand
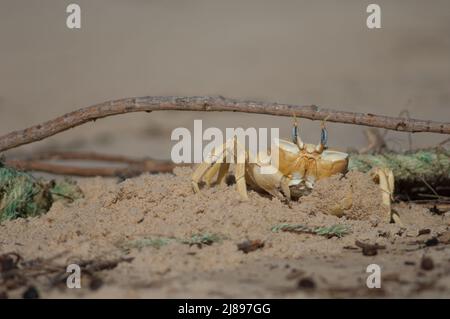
x,y
355,196
156,219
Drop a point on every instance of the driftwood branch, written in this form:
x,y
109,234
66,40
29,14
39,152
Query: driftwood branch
x,y
215,104
132,167
87,156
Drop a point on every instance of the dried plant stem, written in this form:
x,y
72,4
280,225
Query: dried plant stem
x,y
215,104
64,169
87,156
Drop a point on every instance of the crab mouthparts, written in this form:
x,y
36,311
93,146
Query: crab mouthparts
x,y
296,179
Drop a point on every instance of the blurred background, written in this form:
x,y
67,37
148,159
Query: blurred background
x,y
299,52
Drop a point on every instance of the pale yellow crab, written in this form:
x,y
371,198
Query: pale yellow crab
x,y
288,172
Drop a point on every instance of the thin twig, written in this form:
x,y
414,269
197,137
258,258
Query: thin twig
x,y
429,187
62,169
209,103
406,114
375,142
85,156
444,142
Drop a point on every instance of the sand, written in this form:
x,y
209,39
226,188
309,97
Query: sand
x,y
301,52
113,217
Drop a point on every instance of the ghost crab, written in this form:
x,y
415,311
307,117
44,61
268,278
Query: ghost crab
x,y
288,172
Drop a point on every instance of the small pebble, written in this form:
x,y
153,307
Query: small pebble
x,y
427,263
30,293
424,231
250,245
306,283
95,283
432,242
369,251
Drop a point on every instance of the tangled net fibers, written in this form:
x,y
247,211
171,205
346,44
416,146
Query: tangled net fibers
x,y
416,171
433,164
22,195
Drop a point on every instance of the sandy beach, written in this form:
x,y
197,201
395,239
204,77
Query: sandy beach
x,y
146,228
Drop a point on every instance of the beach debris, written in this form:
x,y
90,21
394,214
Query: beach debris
x,y
202,239
338,230
444,238
159,241
95,283
369,249
433,241
250,245
306,284
424,231
155,242
113,165
418,174
31,293
427,263
210,104
8,262
16,272
409,167
22,195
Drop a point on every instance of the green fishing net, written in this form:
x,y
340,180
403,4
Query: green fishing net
x,y
431,164
22,195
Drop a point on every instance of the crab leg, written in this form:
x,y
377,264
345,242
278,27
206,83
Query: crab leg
x,y
222,172
240,181
198,174
215,159
385,178
216,162
285,187
222,168
211,172
240,157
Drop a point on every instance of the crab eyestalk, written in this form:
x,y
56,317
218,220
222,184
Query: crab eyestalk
x,y
323,139
296,136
